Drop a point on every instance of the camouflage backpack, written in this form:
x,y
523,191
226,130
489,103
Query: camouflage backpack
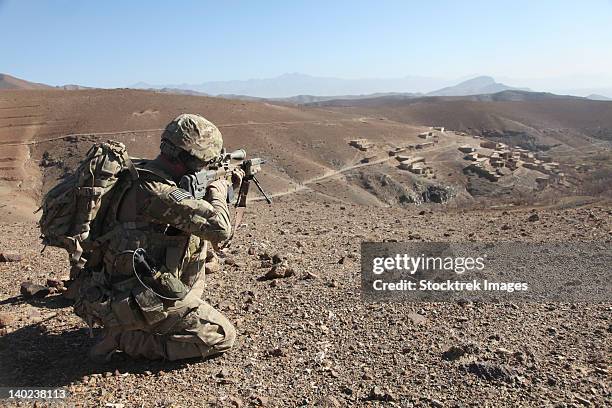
x,y
69,209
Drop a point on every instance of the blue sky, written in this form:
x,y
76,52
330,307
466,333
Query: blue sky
x,y
118,43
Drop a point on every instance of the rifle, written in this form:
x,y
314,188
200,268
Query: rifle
x,y
196,184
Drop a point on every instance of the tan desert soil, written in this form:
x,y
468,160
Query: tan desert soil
x,y
313,342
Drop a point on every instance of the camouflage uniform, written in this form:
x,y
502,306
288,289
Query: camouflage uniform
x,y
175,230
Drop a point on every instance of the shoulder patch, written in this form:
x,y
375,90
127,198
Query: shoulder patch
x,y
178,195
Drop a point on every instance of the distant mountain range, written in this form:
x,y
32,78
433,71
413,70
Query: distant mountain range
x,y
289,85
306,89
300,88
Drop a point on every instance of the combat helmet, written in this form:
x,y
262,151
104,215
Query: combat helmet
x,y
193,134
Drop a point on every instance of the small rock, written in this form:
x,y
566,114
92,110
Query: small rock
x,y
259,400
230,261
277,352
251,250
437,404
342,260
224,373
235,402
377,394
456,352
310,275
10,257
506,227
346,390
31,290
279,271
417,318
533,217
491,372
276,259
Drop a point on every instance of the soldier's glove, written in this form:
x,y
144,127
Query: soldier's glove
x,y
237,176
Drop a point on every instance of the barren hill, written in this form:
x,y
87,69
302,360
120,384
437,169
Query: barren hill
x,y
60,126
11,82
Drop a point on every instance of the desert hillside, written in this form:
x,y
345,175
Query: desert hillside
x,y
350,153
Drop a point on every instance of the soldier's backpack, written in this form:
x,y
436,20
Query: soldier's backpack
x,y
70,208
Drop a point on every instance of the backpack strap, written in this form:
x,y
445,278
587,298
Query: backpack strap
x,y
130,165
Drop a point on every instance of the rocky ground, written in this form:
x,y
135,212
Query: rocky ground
x,y
309,340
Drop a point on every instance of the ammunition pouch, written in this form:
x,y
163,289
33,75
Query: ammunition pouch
x,y
150,305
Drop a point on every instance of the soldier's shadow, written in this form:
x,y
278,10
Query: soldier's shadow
x,y
31,357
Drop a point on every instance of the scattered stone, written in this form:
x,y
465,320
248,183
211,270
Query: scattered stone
x,y
533,217
279,271
417,318
310,275
456,352
378,394
506,227
224,373
346,390
491,372
10,257
277,352
259,400
235,402
6,319
32,290
276,259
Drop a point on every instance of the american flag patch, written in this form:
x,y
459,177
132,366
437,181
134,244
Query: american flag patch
x,y
179,195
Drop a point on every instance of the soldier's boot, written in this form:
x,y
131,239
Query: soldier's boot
x,y
102,351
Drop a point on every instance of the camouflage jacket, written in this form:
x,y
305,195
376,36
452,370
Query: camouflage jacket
x,y
172,226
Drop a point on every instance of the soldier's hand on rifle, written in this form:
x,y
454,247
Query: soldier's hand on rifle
x,y
237,176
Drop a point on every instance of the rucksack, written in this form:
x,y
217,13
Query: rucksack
x,y
70,208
